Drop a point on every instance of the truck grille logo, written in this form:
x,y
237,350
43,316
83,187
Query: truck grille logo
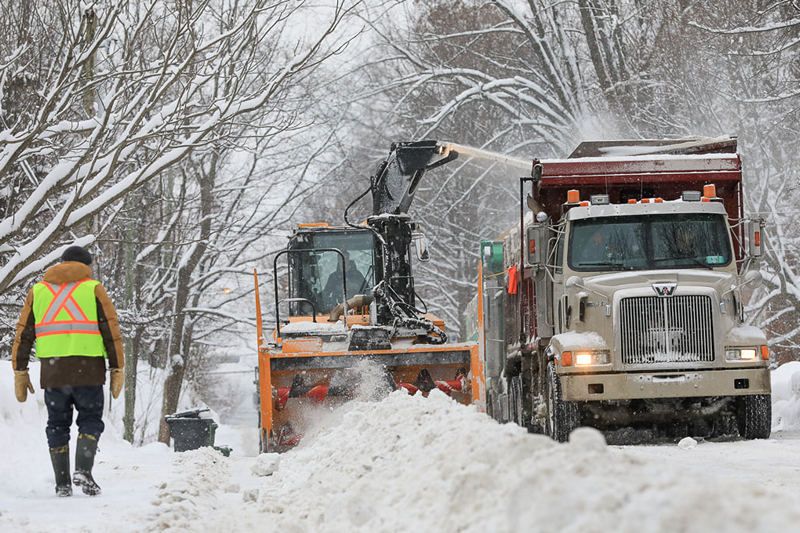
x,y
664,290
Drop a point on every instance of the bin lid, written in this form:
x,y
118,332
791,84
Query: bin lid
x,y
192,413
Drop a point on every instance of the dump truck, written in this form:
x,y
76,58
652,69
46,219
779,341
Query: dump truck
x,y
348,320
617,299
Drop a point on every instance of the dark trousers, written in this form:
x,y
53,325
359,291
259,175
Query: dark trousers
x,y
89,403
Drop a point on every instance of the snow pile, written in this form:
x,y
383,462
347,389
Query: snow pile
x,y
410,463
786,397
432,464
203,472
266,464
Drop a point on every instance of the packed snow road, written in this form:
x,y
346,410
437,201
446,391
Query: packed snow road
x,y
409,463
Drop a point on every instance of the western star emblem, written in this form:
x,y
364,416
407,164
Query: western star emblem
x,y
664,289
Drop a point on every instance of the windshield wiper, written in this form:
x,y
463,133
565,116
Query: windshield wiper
x,y
615,265
692,258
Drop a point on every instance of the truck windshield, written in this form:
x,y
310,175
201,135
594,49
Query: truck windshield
x,y
693,240
317,276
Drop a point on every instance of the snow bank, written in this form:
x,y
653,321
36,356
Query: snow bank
x,y
203,472
786,397
415,464
432,464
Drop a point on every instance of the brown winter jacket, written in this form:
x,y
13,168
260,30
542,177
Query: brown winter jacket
x,y
72,371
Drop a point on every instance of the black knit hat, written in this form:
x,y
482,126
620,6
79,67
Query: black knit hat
x,y
77,253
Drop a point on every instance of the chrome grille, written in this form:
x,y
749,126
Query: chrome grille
x,y
678,329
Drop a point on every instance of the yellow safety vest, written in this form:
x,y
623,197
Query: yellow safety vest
x,y
66,320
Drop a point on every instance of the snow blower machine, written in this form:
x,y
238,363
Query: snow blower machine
x,y
353,324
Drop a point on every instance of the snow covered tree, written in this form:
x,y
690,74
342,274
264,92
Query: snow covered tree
x,y
138,110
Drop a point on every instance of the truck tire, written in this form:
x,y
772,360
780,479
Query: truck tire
x,y
563,417
754,416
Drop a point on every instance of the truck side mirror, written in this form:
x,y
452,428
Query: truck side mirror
x,y
421,246
536,248
755,234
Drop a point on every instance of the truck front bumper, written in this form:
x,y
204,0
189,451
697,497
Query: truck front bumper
x,y
678,384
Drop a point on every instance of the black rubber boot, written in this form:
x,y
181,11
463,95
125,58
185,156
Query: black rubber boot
x,y
60,459
84,461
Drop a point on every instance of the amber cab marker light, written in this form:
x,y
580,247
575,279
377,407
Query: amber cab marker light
x,y
659,200
566,358
573,196
584,204
645,200
764,352
307,225
631,201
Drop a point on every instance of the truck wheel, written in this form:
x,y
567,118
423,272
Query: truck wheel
x,y
754,416
563,416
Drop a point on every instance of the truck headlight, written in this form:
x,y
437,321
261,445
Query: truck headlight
x,y
741,354
590,358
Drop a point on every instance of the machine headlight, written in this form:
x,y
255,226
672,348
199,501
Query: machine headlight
x,y
741,354
590,358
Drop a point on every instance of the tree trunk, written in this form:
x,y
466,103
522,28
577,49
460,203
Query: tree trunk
x,y
179,345
131,364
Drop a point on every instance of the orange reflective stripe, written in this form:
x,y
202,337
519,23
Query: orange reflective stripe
x,y
53,328
69,332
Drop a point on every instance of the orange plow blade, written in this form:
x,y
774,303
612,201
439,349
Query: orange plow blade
x,y
297,388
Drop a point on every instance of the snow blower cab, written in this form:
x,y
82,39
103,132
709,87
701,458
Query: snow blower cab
x,y
348,318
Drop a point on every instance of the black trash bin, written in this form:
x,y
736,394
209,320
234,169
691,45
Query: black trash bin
x,y
189,431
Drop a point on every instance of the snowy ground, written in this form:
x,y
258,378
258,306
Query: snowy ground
x,y
409,463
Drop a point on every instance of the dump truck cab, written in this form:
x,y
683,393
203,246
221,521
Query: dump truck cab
x,y
649,288
623,299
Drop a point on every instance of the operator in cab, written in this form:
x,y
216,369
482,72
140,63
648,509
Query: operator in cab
x,y
356,283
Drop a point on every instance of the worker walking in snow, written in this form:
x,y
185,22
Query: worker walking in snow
x,y
74,325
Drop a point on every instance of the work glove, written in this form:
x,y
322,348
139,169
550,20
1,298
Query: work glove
x,y
117,381
22,385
